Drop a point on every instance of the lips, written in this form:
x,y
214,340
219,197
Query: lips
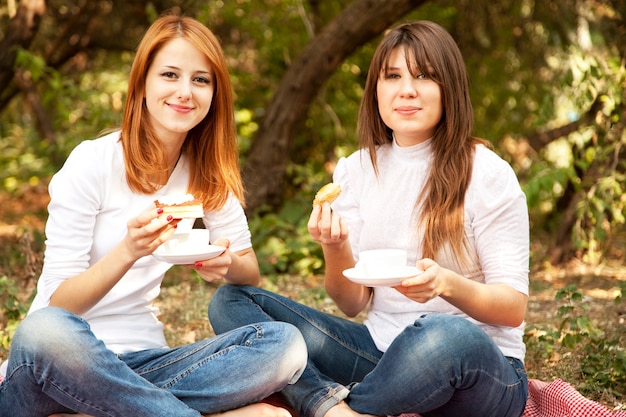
x,y
407,110
180,108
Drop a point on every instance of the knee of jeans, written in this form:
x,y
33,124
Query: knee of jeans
x,y
46,330
222,298
294,358
218,296
223,301
438,330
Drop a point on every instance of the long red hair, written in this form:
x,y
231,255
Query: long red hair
x,y
211,146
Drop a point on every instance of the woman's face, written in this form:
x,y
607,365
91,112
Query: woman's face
x,y
409,105
179,89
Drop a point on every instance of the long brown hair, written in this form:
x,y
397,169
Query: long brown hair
x,y
428,45
210,147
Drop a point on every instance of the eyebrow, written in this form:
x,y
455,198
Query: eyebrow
x,y
195,72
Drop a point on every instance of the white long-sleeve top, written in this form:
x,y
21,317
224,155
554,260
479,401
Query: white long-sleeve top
x,y
380,214
90,205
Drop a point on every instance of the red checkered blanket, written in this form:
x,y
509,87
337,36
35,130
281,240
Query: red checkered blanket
x,y
559,399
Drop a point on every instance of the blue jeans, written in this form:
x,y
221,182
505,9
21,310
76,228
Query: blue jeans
x,y
56,364
442,365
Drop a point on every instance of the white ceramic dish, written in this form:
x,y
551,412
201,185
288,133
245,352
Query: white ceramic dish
x,y
188,248
395,276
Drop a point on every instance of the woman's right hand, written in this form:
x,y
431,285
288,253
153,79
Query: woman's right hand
x,y
331,230
147,231
325,226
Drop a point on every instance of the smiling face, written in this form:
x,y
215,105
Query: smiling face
x,y
409,102
179,89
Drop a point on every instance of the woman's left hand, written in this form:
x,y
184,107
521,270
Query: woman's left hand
x,y
215,269
498,304
427,285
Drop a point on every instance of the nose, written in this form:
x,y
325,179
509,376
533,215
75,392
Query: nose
x,y
184,91
409,87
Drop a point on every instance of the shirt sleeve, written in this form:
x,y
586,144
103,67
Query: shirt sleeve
x,y
347,204
498,214
229,222
75,198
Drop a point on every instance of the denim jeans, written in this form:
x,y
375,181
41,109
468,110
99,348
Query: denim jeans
x,y
56,364
442,365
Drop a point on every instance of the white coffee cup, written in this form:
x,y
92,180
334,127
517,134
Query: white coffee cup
x,y
184,226
187,241
378,263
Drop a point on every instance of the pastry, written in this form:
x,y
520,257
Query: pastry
x,y
327,194
180,206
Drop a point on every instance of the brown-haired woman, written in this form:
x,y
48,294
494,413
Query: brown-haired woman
x,y
92,342
443,342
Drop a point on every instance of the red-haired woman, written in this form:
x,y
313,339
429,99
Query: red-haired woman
x,y
92,342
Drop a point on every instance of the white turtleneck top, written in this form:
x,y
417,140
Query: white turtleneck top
x,y
380,212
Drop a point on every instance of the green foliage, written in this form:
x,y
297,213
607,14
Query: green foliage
x,y
603,207
283,244
12,310
78,106
599,213
10,304
589,159
546,182
34,65
21,253
601,356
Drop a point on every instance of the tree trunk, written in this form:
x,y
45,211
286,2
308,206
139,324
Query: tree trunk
x,y
361,21
20,33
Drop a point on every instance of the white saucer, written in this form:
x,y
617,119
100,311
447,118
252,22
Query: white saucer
x,y
395,277
188,248
201,253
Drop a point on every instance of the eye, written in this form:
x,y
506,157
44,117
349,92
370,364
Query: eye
x,y
391,76
202,80
168,74
422,76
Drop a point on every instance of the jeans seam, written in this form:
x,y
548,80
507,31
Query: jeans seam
x,y
198,364
332,336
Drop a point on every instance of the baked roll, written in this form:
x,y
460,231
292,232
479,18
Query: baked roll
x,y
327,194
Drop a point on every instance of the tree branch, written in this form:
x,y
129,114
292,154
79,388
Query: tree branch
x,y
539,140
358,23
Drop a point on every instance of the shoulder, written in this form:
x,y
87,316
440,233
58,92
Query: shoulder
x,y
494,182
483,154
91,160
353,169
358,159
96,151
107,143
489,167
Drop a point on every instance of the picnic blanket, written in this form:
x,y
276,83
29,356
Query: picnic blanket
x,y
559,399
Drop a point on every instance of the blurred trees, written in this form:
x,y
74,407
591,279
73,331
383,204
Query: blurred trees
x,y
547,78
